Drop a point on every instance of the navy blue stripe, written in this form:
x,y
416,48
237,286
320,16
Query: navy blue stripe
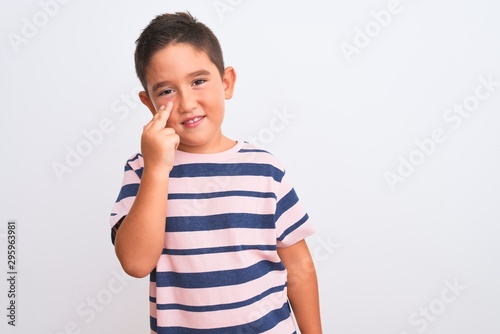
x,y
250,150
219,222
137,171
152,276
128,167
220,307
263,324
212,250
134,158
115,228
216,278
285,203
128,190
241,193
153,324
293,227
233,169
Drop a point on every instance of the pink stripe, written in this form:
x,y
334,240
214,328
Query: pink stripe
x,y
137,163
130,176
214,262
228,156
286,326
152,289
218,238
220,295
198,185
299,234
289,217
285,187
222,318
152,309
121,209
186,158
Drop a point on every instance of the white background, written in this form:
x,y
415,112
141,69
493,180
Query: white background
x,y
386,256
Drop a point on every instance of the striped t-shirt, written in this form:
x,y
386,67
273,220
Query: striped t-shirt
x,y
219,271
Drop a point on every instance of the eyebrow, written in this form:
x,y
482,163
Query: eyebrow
x,y
164,83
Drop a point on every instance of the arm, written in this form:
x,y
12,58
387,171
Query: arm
x,y
140,239
302,286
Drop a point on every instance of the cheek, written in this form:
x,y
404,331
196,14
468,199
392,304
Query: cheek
x,y
163,100
170,123
213,99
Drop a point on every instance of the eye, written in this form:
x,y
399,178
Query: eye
x,y
198,82
166,92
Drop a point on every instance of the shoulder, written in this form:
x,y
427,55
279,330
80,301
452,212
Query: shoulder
x,y
259,162
253,154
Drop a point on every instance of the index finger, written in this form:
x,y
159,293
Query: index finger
x,y
163,113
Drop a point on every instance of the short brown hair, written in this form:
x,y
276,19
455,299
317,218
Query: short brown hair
x,y
180,27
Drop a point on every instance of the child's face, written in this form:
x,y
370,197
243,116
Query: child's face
x,y
187,77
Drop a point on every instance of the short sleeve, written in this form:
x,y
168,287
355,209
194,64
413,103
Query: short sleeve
x,y
292,221
130,185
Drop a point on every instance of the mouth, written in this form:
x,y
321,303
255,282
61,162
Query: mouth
x,y
193,121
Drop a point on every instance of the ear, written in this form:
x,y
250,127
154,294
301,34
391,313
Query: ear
x,y
228,80
146,100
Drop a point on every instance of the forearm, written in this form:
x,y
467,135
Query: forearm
x,y
140,239
302,287
304,298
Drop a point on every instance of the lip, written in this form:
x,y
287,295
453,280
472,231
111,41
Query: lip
x,y
193,122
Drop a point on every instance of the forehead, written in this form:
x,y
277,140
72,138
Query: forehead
x,y
177,61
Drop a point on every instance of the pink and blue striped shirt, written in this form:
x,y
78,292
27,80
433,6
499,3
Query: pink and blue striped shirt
x,y
219,271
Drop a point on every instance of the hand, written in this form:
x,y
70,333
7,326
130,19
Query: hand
x,y
158,143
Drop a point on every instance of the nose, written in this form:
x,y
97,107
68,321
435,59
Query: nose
x,y
187,102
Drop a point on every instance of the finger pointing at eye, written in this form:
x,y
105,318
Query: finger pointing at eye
x,y
162,115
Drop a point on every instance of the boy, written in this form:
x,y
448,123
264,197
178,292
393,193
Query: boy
x,y
213,221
